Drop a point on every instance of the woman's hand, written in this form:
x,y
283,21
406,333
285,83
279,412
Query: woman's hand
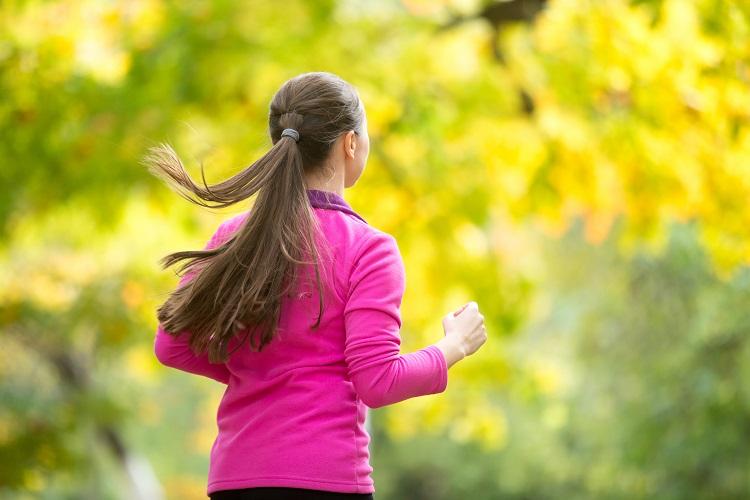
x,y
465,333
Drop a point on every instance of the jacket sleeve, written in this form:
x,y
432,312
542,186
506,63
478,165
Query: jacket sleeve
x,y
380,373
175,352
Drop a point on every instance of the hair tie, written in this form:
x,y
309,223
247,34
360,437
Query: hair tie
x,y
291,133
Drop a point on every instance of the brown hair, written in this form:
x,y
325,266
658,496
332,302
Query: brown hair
x,y
245,278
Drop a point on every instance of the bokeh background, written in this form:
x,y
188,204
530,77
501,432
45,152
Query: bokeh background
x,y
579,168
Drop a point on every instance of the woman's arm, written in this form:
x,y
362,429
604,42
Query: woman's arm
x,y
380,373
175,352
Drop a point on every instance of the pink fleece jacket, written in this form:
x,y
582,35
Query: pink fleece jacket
x,y
294,414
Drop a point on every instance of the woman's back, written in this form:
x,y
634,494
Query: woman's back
x,y
293,414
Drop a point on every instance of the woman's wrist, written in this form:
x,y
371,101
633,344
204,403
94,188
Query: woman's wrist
x,y
452,352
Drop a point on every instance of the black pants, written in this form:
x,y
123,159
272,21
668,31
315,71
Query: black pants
x,y
283,493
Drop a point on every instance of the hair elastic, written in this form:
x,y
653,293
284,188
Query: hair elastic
x,y
291,133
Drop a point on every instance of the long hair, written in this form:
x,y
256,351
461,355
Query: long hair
x,y
246,277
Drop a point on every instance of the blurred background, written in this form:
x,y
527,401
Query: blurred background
x,y
579,168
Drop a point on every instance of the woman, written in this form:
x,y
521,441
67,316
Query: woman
x,y
291,423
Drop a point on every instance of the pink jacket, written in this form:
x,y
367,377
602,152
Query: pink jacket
x,y
294,414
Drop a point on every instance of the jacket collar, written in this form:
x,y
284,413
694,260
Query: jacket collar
x,y
331,201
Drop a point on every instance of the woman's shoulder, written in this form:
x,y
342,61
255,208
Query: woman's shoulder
x,y
227,228
373,240
234,221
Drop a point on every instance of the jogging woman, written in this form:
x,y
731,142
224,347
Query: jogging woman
x,y
294,304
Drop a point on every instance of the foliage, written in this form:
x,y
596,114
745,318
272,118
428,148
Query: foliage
x,y
483,131
636,390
